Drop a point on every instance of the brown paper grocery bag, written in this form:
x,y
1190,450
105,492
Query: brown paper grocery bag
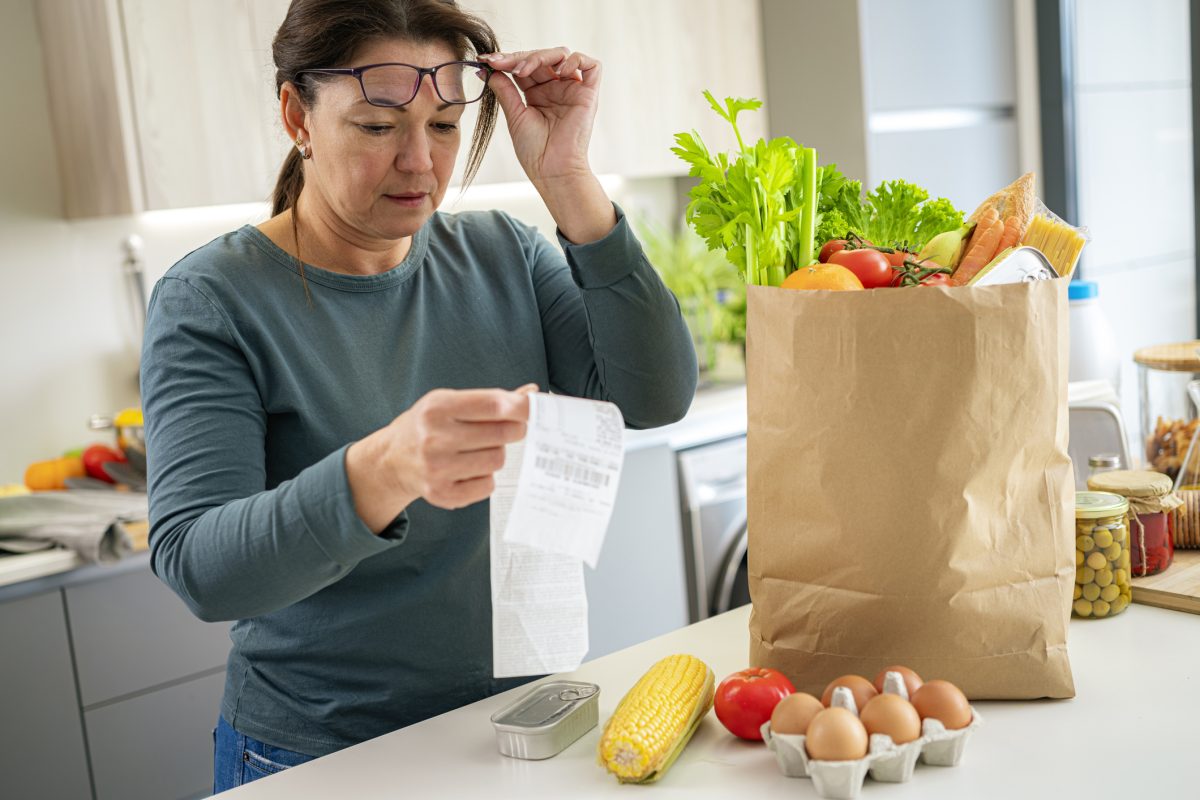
x,y
910,497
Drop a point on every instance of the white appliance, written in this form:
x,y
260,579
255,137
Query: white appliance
x,y
1096,427
712,488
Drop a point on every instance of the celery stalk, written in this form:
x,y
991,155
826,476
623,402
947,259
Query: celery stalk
x,y
808,216
752,275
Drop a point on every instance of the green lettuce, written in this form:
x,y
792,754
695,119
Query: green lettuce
x,y
895,213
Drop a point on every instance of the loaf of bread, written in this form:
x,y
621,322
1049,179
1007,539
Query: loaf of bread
x,y
1015,200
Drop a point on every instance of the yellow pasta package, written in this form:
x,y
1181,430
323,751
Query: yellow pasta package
x,y
1060,242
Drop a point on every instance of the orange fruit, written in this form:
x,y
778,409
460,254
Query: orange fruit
x,y
823,276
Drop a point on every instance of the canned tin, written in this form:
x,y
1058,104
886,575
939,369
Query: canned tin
x,y
547,719
1020,266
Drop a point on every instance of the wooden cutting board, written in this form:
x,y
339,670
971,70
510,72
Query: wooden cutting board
x,y
1177,587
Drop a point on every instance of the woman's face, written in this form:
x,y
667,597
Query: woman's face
x,y
380,173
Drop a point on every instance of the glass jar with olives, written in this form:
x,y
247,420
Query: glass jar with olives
x,y
1102,560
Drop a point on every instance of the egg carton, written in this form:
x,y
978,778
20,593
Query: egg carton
x,y
886,761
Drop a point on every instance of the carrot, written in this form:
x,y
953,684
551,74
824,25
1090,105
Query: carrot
x,y
1012,232
980,251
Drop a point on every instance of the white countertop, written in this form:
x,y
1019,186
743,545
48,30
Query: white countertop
x,y
718,413
1133,731
14,569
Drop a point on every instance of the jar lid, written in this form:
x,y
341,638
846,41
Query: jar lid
x,y
1105,460
1132,483
1178,357
1082,290
1094,505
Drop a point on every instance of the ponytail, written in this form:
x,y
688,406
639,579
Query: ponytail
x,y
286,194
288,184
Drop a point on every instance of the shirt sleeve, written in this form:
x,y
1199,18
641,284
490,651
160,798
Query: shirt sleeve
x,y
228,546
613,331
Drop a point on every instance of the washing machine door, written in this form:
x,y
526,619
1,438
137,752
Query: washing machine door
x,y
732,587
713,490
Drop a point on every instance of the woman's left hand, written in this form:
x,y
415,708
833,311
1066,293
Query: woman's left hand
x,y
552,125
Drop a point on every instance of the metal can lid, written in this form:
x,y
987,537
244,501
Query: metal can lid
x,y
1111,460
1094,505
544,707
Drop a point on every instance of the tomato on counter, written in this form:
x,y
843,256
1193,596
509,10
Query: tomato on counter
x,y
745,700
94,459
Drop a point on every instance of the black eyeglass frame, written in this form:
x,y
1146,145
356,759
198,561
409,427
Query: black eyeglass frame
x,y
357,72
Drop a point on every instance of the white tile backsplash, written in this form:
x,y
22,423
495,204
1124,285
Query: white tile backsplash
x,y
1135,171
1123,42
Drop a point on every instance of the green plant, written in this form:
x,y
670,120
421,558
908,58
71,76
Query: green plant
x,y
711,294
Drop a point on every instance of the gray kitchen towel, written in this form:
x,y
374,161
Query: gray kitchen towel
x,y
86,521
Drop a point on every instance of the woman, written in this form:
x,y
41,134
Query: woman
x,y
322,417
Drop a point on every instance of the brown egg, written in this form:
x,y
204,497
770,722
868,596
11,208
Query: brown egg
x,y
793,713
835,734
943,701
912,681
893,715
859,686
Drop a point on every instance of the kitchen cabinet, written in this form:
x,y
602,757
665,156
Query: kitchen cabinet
x,y
158,744
883,115
132,633
657,58
112,690
177,97
41,737
638,589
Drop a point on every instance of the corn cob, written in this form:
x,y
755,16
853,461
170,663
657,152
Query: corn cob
x,y
656,718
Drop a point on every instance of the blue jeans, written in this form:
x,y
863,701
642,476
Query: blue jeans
x,y
238,759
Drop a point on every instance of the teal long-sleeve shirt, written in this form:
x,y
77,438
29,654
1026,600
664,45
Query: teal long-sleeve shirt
x,y
252,394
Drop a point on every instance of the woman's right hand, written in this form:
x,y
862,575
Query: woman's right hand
x,y
445,449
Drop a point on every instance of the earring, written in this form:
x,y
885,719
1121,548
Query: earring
x,y
303,148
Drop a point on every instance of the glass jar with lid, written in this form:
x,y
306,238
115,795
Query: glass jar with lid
x,y
1152,506
1168,414
1105,462
1102,587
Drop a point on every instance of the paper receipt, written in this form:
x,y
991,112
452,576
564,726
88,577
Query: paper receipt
x,y
569,472
549,514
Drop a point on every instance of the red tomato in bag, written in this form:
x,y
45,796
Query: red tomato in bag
x,y
831,247
897,257
871,266
745,700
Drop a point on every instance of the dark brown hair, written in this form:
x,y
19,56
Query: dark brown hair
x,y
317,34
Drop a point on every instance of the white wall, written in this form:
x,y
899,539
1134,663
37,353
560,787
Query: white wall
x,y
1134,153
68,346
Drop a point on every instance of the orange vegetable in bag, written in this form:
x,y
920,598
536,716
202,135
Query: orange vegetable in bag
x,y
822,276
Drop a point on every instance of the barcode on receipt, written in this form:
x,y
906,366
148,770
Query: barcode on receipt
x,y
577,473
